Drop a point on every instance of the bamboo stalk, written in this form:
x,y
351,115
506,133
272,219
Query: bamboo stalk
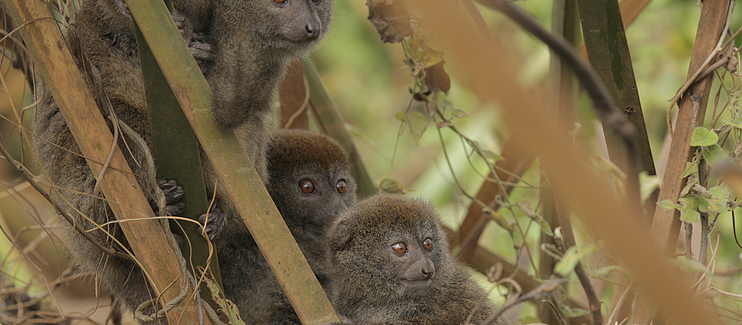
x,y
57,68
608,51
692,108
176,150
233,167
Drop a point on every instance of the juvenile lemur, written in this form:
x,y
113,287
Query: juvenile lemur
x,y
390,264
310,184
242,46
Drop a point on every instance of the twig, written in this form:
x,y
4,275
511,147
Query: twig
x,y
688,240
603,104
478,19
543,291
594,302
29,178
734,230
569,241
619,304
303,106
694,77
703,172
556,311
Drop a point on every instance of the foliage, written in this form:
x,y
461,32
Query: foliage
x,y
423,132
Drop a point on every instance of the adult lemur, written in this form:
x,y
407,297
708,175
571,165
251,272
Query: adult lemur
x,y
243,48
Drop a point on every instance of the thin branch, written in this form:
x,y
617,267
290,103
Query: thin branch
x,y
734,230
627,291
544,290
478,19
603,104
569,241
594,302
695,77
703,172
80,229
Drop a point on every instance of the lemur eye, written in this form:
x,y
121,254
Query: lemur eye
x,y
427,244
306,186
399,248
341,187
280,1
316,1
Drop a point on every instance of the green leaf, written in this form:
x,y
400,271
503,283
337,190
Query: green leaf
x,y
690,202
449,106
702,137
529,320
718,200
525,206
649,183
517,240
418,123
689,215
491,155
705,206
713,206
568,262
422,53
691,168
486,153
667,205
719,192
400,116
688,186
226,305
605,270
573,312
389,185
714,154
499,219
545,226
690,265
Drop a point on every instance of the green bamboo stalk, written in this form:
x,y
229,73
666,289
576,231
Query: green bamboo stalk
x,y
175,149
57,68
608,52
334,125
232,165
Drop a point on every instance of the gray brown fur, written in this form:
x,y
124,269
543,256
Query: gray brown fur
x,y
103,43
293,156
367,277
